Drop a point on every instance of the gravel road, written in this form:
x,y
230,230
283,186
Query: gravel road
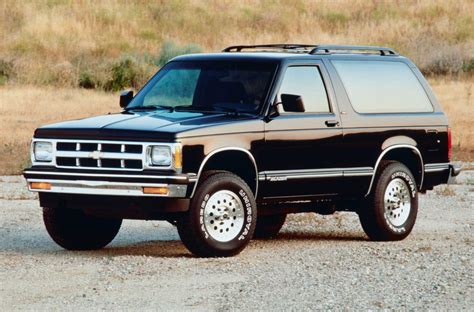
x,y
317,262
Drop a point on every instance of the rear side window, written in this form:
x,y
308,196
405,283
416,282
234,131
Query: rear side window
x,y
382,87
306,82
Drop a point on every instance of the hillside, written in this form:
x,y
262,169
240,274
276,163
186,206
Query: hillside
x,y
111,44
49,49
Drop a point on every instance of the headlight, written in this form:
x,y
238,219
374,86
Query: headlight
x,y
43,151
160,156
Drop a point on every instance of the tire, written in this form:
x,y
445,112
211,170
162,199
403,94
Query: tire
x,y
391,209
269,226
221,217
74,230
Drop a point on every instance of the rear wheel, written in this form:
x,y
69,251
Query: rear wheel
x,y
221,218
74,230
269,226
393,206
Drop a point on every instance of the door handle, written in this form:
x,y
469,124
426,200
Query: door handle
x,y
331,123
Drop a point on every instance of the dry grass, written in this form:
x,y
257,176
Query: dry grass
x,y
22,109
56,42
457,100
53,42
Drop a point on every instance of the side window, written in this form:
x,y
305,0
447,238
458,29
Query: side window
x,y
382,87
306,82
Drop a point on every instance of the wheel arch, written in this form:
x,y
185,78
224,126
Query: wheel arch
x,y
407,154
229,159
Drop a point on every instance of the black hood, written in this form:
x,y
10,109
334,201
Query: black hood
x,y
158,125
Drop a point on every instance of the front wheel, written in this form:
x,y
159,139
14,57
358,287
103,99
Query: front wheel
x,y
74,230
392,207
221,218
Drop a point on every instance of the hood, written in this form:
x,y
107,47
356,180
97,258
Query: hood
x,y
157,125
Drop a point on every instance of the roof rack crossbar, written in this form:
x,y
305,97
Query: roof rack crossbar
x,y
280,46
328,48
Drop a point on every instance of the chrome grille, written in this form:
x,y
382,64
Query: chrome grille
x,y
99,155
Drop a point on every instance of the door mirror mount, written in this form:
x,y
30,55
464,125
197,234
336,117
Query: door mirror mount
x,y
125,98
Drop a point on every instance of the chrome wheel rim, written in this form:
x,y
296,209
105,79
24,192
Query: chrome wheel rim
x,y
397,202
224,216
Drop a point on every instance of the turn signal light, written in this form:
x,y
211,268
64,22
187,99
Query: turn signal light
x,y
155,190
178,157
40,185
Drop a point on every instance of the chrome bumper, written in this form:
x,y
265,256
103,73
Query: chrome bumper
x,y
108,188
454,170
129,184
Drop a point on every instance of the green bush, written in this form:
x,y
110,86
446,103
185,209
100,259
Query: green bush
x,y
336,18
86,81
128,71
6,71
124,74
170,50
468,66
134,71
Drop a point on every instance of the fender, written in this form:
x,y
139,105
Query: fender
x,y
385,151
223,149
398,140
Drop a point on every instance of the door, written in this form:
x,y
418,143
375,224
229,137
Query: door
x,y
301,154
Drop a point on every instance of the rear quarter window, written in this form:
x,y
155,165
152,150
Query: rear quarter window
x,y
382,87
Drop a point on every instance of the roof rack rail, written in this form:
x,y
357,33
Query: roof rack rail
x,y
329,48
278,46
312,48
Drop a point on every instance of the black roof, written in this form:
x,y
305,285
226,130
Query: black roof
x,y
278,52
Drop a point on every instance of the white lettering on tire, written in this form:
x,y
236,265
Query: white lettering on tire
x,y
248,207
412,189
201,216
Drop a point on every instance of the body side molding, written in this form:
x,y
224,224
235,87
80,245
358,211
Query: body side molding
x,y
224,149
385,151
283,175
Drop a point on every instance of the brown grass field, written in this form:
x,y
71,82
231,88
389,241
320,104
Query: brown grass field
x,y
22,109
56,42
49,48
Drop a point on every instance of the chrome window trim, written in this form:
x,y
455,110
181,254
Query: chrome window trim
x,y
385,151
143,156
208,156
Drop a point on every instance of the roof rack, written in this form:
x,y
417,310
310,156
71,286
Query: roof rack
x,y
277,46
312,48
329,48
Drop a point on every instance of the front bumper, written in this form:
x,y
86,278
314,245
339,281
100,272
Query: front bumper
x,y
109,183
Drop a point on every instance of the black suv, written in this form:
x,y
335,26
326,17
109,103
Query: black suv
x,y
225,145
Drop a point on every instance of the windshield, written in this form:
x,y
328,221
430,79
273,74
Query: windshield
x,y
207,86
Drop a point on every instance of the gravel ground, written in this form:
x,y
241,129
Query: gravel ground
x,y
317,262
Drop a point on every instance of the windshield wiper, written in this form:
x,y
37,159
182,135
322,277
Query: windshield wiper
x,y
232,111
151,107
188,108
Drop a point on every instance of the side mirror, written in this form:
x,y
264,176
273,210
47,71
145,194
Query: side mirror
x,y
125,98
292,103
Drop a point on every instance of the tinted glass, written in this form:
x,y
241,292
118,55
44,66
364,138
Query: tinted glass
x,y
175,88
306,82
382,87
208,86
